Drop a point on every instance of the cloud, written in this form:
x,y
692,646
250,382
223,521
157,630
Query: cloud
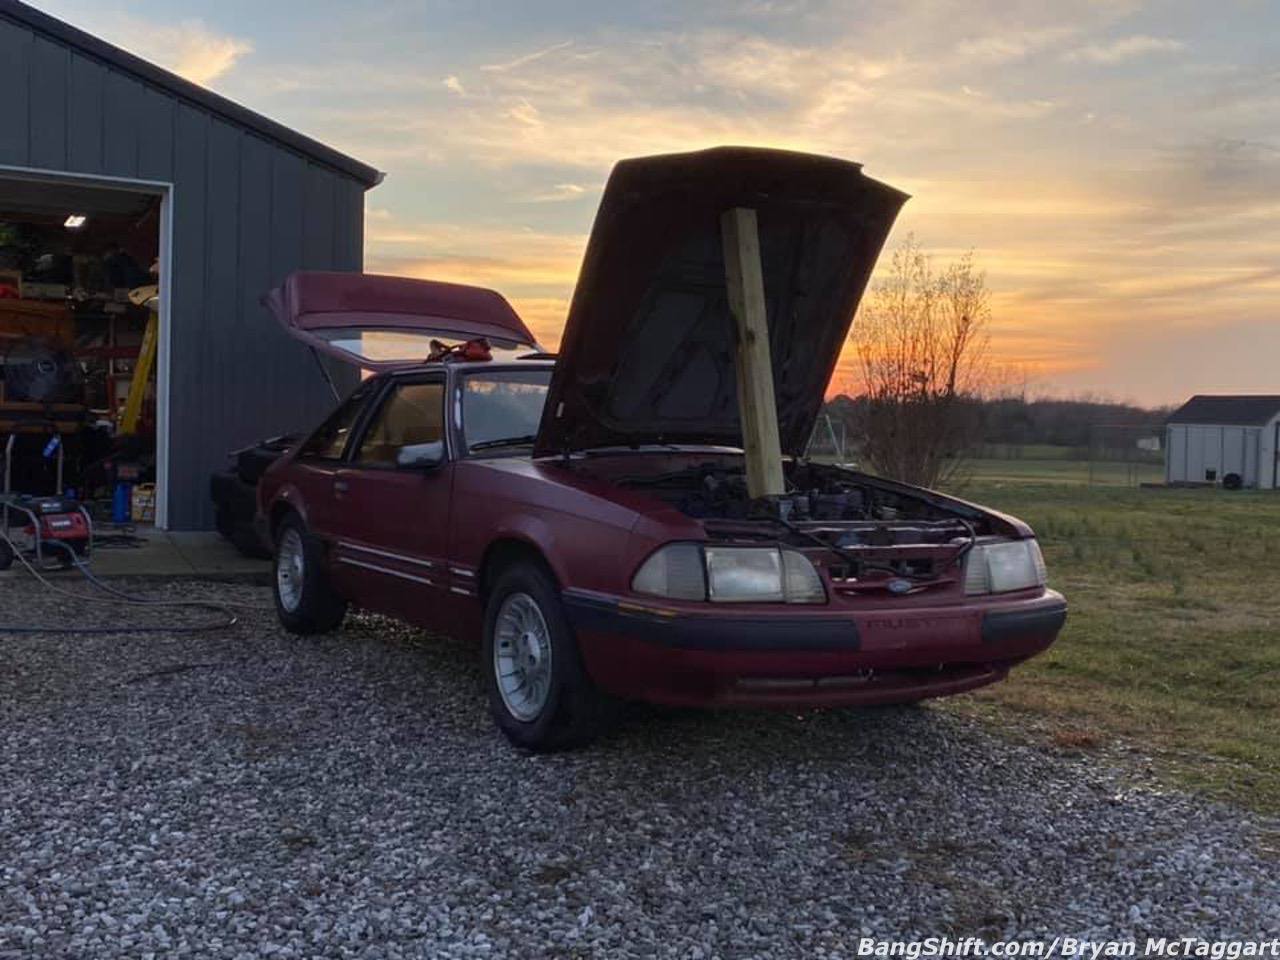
x,y
559,193
579,106
528,58
196,52
1108,206
1124,48
190,48
1010,46
534,269
545,316
501,256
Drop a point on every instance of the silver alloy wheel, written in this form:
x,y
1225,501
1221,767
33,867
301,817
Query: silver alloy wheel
x,y
522,656
290,569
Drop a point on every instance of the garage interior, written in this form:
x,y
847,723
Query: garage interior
x,y
231,200
79,334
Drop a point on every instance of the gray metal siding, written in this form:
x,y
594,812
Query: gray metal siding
x,y
84,115
15,81
246,211
122,116
47,99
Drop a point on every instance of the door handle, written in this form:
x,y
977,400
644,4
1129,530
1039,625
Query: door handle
x,y
341,486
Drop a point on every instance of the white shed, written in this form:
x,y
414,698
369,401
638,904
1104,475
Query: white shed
x,y
1215,439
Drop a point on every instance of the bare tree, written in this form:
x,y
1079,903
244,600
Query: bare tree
x,y
922,343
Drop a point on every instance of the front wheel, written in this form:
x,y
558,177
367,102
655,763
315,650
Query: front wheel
x,y
539,692
304,601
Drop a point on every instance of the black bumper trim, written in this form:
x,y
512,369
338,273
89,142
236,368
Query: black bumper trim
x,y
717,633
1000,626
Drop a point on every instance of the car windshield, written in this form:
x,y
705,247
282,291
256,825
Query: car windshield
x,y
502,408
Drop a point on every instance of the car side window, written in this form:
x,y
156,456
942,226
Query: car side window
x,y
412,415
330,440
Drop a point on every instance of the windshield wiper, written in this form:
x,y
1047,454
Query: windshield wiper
x,y
503,442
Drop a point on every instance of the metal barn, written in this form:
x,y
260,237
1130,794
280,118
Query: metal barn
x,y
228,203
1228,440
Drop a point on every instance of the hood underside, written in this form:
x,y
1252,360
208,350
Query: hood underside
x,y
649,345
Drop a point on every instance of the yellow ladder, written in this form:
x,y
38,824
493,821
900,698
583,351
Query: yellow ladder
x,y
141,375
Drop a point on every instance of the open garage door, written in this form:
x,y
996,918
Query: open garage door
x,y
82,319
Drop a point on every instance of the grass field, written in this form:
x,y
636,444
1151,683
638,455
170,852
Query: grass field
x,y
1173,640
1058,470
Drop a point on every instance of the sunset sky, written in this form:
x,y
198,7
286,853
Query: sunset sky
x,y
1115,165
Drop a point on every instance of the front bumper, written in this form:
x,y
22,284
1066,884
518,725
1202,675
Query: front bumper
x,y
789,658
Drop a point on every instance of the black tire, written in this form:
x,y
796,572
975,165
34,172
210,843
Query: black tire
x,y
224,522
315,608
246,540
575,712
6,555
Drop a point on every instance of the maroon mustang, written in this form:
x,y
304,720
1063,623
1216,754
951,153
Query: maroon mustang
x,y
587,516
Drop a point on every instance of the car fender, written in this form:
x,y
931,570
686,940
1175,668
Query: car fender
x,y
287,495
538,534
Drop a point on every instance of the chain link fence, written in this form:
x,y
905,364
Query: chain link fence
x,y
1125,453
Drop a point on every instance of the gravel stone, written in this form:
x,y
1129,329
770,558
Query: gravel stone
x,y
245,793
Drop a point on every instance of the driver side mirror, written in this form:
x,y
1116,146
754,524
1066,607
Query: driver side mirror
x,y
421,456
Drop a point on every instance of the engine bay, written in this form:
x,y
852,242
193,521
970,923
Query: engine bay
x,y
867,530
717,490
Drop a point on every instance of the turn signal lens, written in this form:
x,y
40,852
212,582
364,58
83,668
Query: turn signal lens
x,y
675,571
803,585
1004,566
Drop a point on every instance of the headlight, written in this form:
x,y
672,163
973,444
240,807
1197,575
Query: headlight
x,y
744,573
686,571
1001,567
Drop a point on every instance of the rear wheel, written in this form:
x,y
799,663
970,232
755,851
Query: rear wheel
x,y
539,692
223,521
305,603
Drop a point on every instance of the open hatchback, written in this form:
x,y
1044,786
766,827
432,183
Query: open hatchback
x,y
589,518
380,323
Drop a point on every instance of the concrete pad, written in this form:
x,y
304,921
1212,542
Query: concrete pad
x,y
160,553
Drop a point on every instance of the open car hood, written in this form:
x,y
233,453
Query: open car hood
x,y
648,348
379,323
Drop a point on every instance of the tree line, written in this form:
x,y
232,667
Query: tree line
x,y
929,395
1019,421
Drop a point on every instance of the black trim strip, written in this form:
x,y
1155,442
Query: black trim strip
x,y
1003,625
721,633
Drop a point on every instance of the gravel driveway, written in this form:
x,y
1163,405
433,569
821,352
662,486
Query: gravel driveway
x,y
246,793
